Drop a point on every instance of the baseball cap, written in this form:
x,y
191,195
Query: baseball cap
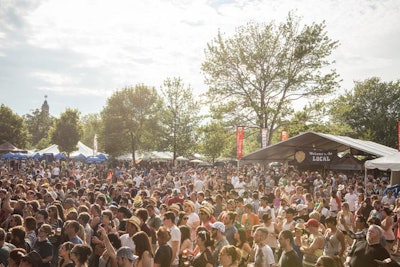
x,y
126,252
219,226
312,223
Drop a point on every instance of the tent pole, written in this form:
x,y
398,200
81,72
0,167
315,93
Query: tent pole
x,y
365,179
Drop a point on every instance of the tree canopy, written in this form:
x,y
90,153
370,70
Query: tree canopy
x,y
67,131
131,120
371,109
13,128
255,75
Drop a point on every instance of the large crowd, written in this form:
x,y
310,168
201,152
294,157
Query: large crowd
x,y
67,214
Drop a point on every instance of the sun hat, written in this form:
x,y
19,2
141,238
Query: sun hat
x,y
219,226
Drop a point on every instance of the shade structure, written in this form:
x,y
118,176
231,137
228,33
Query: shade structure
x,y
391,162
94,159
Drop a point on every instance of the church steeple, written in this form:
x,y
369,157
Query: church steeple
x,y
45,106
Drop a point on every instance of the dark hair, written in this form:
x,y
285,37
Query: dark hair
x,y
163,235
205,236
242,237
84,216
114,240
170,215
287,235
185,232
142,243
142,214
82,252
331,219
331,261
16,255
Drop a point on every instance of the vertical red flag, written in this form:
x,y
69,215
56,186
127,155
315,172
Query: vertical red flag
x,y
398,134
239,141
284,135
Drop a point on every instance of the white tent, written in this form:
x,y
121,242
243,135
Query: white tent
x,y
82,149
390,162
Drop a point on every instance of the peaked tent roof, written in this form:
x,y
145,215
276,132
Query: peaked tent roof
x,y
53,149
391,162
8,147
285,150
82,149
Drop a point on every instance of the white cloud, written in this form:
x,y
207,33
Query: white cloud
x,y
91,47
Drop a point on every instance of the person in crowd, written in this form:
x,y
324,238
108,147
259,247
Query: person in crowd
x,y
313,245
174,242
125,257
230,228
262,254
272,241
72,229
163,255
105,259
244,246
132,227
218,235
14,258
186,242
364,253
229,256
18,238
335,244
80,255
193,220
43,246
5,248
249,219
65,255
387,225
143,249
329,261
204,257
32,259
289,257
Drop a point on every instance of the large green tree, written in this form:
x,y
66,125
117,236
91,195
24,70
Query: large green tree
x,y
92,125
13,128
131,120
180,117
67,131
255,75
371,109
39,123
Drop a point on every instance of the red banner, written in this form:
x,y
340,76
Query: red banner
x,y
284,135
398,134
239,141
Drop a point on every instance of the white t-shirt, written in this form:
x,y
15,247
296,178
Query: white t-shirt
x,y
351,199
264,256
126,240
175,236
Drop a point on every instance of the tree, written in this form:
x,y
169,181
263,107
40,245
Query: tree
x,y
39,123
255,76
91,125
214,140
13,128
67,131
371,109
131,120
180,117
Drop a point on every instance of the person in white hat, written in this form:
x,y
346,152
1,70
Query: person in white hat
x,y
218,234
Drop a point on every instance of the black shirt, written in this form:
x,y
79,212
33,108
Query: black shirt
x,y
364,255
163,256
290,259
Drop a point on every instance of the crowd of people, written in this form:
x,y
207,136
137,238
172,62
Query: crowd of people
x,y
58,214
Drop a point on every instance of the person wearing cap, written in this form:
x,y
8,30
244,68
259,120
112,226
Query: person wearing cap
x,y
312,247
193,218
174,242
288,223
132,227
205,217
289,257
302,213
218,234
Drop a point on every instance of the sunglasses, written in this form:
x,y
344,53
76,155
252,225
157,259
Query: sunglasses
x,y
186,218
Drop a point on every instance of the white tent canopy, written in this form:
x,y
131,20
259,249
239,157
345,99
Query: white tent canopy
x,y
391,162
82,149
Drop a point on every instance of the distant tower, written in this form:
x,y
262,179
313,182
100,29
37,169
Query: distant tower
x,y
45,106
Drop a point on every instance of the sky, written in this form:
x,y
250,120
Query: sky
x,y
78,52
